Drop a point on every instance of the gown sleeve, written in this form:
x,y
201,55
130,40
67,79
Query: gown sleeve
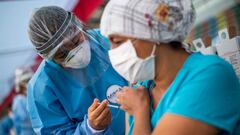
x,y
49,117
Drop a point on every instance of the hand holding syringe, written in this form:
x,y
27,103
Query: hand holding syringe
x,y
99,115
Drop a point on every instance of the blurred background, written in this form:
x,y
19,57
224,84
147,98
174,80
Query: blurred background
x,y
16,50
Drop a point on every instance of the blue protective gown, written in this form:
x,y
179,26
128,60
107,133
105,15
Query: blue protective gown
x,y
58,98
6,124
21,118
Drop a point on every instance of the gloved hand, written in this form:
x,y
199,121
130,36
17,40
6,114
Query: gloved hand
x,y
99,115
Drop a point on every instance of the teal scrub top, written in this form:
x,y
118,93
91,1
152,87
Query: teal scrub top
x,y
205,89
21,119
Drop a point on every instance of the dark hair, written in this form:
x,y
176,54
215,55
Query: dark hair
x,y
175,45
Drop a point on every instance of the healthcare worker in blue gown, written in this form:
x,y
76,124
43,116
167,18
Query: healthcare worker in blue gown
x,y
6,122
20,117
73,91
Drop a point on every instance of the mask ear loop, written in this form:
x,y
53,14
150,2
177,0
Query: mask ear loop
x,y
154,50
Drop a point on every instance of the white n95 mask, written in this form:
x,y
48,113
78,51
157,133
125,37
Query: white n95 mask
x,y
79,57
125,61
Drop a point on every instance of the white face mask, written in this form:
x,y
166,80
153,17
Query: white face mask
x,y
79,57
126,62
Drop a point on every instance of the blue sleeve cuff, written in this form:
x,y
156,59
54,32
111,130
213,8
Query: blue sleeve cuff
x,y
84,128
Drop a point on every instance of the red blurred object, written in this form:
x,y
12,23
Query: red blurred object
x,y
84,8
7,101
37,62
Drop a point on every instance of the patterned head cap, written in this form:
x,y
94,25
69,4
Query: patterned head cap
x,y
154,20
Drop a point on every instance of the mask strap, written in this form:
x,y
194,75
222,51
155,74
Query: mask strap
x,y
153,50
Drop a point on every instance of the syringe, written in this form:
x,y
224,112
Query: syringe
x,y
113,106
